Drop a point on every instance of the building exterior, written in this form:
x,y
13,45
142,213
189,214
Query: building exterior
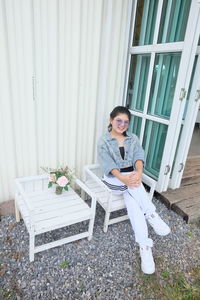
x,y
65,64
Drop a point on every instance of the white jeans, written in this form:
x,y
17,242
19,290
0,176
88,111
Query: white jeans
x,y
139,206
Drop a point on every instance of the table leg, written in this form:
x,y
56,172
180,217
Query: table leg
x,y
90,230
31,246
17,212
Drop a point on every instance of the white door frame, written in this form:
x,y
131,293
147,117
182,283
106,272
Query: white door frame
x,y
188,50
188,125
183,80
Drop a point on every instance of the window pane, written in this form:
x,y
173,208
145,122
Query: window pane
x,y
173,20
138,76
135,125
145,22
153,144
163,84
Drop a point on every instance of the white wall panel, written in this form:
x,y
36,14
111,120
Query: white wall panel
x,y
17,148
7,155
62,68
114,47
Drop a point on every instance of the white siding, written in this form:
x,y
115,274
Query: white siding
x,y
62,65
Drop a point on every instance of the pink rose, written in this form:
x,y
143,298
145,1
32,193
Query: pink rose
x,y
62,181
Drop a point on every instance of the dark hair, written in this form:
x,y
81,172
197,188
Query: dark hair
x,y
116,111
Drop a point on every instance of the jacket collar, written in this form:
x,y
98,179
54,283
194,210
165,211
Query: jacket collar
x,y
108,137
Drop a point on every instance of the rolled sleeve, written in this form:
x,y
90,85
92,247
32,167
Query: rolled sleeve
x,y
105,160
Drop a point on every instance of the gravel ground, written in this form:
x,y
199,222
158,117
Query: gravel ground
x,y
106,268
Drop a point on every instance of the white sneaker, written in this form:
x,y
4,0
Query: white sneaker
x,y
147,262
159,226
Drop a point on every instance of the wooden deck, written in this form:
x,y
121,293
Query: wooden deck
x,y
186,199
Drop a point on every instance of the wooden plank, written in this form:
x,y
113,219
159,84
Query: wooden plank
x,y
118,219
96,187
45,195
57,213
182,193
189,202
61,202
193,160
192,167
61,242
118,206
192,172
32,178
190,180
188,208
102,197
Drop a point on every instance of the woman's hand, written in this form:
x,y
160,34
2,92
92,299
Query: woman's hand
x,y
135,179
132,180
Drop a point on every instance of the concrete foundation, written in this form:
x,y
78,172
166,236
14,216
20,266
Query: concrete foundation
x,y
7,208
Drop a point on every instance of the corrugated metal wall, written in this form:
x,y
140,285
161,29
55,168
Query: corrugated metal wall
x,y
62,66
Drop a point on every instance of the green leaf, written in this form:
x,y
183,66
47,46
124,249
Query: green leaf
x,y
66,188
64,264
190,234
165,273
50,184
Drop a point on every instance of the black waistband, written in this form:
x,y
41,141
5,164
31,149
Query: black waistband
x,y
128,169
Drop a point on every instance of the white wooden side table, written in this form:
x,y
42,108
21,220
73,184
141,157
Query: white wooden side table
x,y
42,210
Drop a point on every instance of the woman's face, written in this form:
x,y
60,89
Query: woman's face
x,y
120,123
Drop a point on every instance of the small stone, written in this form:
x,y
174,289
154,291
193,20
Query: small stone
x,y
23,284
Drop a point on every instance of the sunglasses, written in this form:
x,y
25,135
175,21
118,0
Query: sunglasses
x,y
120,123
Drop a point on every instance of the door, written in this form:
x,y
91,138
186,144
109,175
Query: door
x,y
163,42
187,124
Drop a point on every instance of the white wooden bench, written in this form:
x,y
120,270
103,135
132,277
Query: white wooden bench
x,y
42,210
109,201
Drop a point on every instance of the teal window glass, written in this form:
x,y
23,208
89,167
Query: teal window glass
x,y
138,75
163,84
145,22
199,42
173,20
135,125
153,144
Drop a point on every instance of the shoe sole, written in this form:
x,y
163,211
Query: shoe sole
x,y
148,273
162,234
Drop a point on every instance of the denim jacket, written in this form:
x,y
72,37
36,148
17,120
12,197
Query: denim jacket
x,y
108,153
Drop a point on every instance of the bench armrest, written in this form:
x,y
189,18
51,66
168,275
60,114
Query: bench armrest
x,y
24,196
87,170
90,193
85,188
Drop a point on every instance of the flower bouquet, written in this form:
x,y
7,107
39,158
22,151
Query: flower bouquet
x,y
61,177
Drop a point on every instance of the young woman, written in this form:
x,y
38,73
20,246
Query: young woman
x,y
122,159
